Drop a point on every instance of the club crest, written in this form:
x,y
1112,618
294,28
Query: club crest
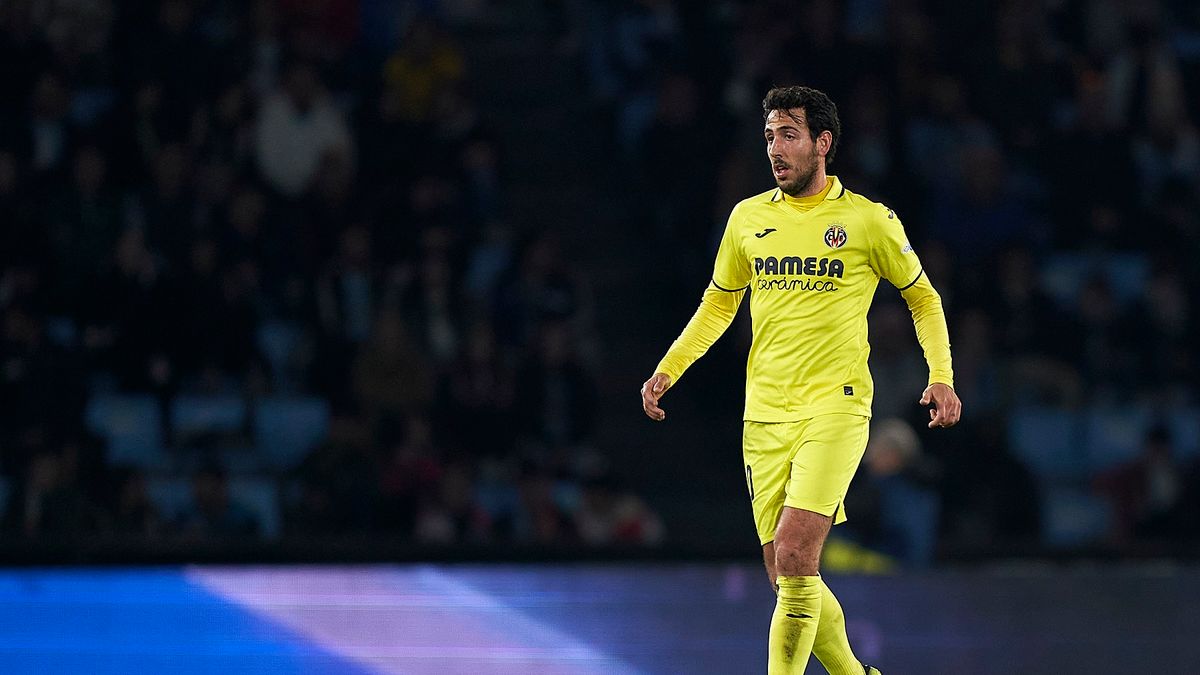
x,y
835,236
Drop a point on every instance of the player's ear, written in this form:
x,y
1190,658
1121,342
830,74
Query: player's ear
x,y
824,141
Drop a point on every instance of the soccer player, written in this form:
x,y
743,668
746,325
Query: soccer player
x,y
810,253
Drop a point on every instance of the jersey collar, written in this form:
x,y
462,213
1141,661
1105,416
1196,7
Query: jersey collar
x,y
835,191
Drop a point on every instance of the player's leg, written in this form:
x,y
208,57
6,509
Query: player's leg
x,y
798,542
826,457
832,644
767,450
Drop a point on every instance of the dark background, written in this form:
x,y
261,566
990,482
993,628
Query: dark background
x,y
353,279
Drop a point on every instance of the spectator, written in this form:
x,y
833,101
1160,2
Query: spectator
x,y
41,388
131,317
212,512
434,294
298,127
481,388
539,287
1168,147
167,212
21,241
427,64
1147,492
895,500
679,200
990,500
83,219
409,475
556,393
608,516
981,212
391,376
47,136
1107,360
538,517
976,373
346,299
53,502
644,39
1168,329
133,513
451,514
336,483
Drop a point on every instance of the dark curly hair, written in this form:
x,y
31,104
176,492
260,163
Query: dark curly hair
x,y
818,108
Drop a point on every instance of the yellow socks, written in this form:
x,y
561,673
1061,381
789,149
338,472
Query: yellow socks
x,y
794,624
832,647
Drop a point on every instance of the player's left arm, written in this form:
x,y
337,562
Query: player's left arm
x,y
930,321
894,259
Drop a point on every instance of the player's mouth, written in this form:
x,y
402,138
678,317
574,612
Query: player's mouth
x,y
781,170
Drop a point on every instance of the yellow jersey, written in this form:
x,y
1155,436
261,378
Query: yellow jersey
x,y
811,272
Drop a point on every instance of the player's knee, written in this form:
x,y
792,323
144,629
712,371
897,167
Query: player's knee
x,y
797,557
798,540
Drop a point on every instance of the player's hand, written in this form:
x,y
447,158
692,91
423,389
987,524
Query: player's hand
x,y
653,390
946,407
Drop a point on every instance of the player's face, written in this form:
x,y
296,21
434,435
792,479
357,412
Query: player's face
x,y
794,156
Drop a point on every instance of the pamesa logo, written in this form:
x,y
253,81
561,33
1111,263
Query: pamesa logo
x,y
797,266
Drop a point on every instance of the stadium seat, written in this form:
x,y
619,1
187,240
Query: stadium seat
x,y
287,428
1065,274
1113,436
1048,442
193,415
171,494
261,497
132,426
1184,424
1116,435
62,331
1073,517
278,341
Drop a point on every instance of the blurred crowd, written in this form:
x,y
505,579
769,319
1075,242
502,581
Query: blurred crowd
x,y
1045,159
309,199
183,182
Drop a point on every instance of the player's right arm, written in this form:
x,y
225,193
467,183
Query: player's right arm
x,y
718,306
712,318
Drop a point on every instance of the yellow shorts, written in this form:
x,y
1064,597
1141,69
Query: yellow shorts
x,y
806,464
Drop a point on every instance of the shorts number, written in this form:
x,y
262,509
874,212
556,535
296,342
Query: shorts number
x,y
750,481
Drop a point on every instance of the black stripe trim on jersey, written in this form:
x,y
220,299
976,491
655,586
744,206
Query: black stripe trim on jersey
x,y
918,278
841,193
727,290
777,196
